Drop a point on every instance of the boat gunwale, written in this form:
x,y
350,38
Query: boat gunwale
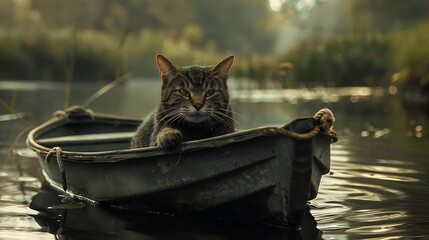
x,y
146,152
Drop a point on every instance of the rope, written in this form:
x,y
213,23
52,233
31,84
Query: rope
x,y
325,120
74,111
57,151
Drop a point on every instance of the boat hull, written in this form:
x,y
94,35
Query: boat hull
x,y
255,175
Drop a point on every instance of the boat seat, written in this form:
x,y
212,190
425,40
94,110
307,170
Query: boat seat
x,y
87,138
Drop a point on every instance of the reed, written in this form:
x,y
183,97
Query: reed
x,y
106,89
69,69
19,116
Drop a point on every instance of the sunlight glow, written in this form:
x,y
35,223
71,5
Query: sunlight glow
x,y
276,5
393,90
305,4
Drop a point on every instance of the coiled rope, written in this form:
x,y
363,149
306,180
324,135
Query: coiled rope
x,y
325,120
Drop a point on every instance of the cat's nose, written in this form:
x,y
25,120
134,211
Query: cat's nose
x,y
198,106
197,102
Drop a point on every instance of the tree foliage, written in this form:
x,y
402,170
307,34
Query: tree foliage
x,y
239,26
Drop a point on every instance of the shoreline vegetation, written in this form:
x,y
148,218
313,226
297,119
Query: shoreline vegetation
x,y
370,60
100,41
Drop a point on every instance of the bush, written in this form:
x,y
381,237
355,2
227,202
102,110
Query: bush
x,y
341,61
48,55
411,58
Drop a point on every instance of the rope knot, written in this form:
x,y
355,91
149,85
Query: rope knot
x,y
58,152
326,119
74,111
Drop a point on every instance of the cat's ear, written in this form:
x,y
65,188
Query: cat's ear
x,y
223,67
166,67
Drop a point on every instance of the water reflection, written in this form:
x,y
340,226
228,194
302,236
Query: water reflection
x,y
377,188
370,197
64,218
293,96
18,184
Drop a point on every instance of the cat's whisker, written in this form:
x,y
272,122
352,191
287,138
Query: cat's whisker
x,y
171,119
181,121
241,116
172,112
219,113
221,120
236,114
176,117
165,111
167,117
227,116
212,125
185,110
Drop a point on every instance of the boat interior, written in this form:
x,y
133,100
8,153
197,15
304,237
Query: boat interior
x,y
90,137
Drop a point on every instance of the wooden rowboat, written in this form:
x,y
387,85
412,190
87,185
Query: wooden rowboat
x,y
261,175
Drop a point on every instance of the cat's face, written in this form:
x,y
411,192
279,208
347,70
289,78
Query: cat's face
x,y
194,94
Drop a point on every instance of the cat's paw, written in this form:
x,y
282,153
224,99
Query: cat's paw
x,y
169,138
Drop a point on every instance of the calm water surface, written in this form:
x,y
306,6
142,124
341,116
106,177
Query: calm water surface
x,y
378,187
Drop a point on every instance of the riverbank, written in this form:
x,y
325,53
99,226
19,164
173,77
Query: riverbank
x,y
375,60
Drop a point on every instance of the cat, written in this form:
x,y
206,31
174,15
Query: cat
x,y
194,105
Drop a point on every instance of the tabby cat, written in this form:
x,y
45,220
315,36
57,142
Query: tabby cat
x,y
194,105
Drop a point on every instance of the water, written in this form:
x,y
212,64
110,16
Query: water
x,y
378,187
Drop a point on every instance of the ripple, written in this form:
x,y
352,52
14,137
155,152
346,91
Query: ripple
x,y
17,234
339,152
339,158
389,177
375,229
27,179
394,162
19,223
15,210
387,169
371,194
371,215
25,152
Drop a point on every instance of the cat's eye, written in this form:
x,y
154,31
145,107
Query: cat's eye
x,y
210,93
184,93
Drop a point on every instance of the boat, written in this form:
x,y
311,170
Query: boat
x,y
262,175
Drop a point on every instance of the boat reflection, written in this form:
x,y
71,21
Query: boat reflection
x,y
67,219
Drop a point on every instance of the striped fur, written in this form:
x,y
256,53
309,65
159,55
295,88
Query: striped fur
x,y
194,105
